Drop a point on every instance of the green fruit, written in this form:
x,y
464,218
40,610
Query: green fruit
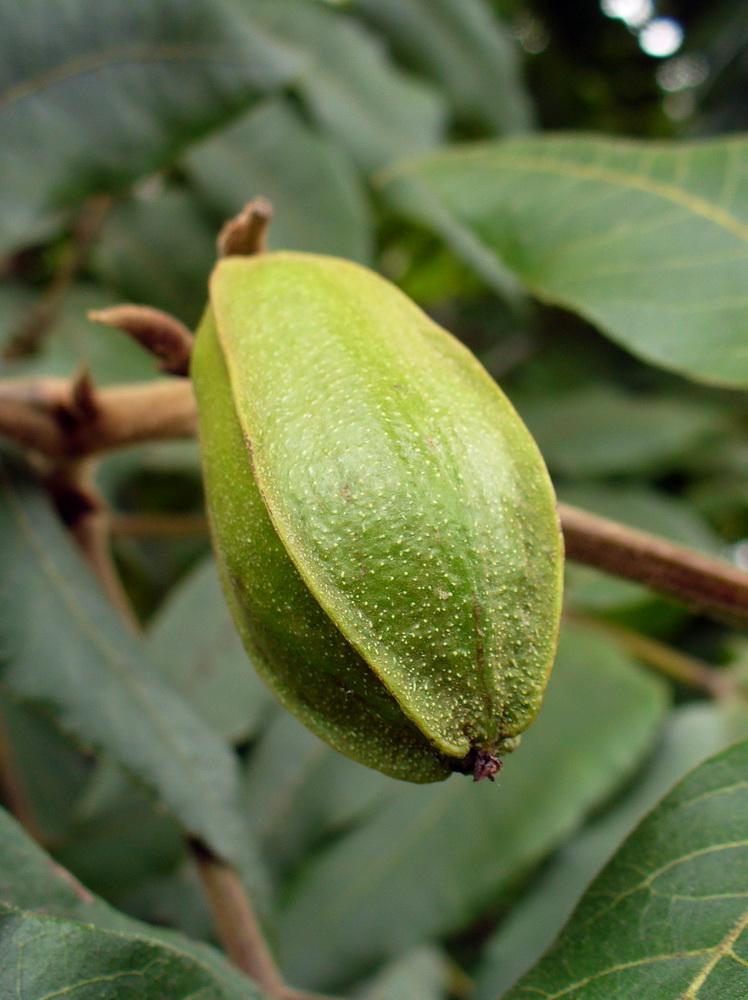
x,y
383,522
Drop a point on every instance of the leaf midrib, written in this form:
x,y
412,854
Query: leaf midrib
x,y
113,56
620,178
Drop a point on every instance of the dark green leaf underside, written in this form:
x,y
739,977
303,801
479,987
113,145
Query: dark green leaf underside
x,y
62,644
95,98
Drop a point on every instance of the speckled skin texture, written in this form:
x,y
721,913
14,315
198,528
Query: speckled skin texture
x,y
362,469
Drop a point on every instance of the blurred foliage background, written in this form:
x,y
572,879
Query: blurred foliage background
x,y
130,132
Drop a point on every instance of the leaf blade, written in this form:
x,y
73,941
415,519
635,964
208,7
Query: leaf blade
x,y
85,664
43,957
674,899
91,103
692,733
648,240
355,93
464,47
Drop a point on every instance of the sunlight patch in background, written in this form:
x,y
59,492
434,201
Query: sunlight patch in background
x,y
634,13
661,37
658,36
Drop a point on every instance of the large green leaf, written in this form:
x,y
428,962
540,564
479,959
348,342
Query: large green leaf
x,y
319,202
667,919
62,645
464,48
43,957
193,641
646,239
118,835
693,733
30,880
433,858
369,106
93,97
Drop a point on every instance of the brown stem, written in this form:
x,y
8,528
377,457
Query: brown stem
x,y
27,425
160,333
705,584
43,313
237,924
83,510
246,234
159,525
36,413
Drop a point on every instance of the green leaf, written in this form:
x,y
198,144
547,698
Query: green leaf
x,y
463,47
315,794
52,770
194,643
645,239
62,645
15,301
599,430
433,858
692,734
119,834
355,93
158,249
90,103
667,918
318,198
30,880
43,957
420,975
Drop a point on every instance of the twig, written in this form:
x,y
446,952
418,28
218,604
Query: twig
x,y
86,515
238,927
44,312
35,413
70,481
158,525
708,585
30,426
160,333
677,666
246,234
